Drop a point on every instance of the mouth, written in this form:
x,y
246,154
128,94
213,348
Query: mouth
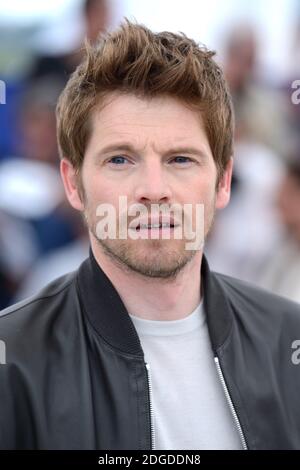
x,y
156,223
158,226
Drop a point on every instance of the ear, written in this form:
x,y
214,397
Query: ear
x,y
223,190
70,181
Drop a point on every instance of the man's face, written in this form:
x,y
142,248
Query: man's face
x,y
153,152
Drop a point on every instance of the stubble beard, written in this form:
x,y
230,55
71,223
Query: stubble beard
x,y
162,259
150,258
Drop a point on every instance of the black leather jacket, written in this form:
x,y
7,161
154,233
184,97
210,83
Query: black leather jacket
x,y
75,376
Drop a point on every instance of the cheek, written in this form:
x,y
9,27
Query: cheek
x,y
96,188
206,192
102,193
206,197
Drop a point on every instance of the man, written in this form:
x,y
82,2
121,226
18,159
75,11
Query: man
x,y
143,347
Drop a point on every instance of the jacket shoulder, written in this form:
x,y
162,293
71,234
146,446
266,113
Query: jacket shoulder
x,y
37,303
248,299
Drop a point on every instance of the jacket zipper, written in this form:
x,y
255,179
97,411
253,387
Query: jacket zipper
x,y
152,433
230,403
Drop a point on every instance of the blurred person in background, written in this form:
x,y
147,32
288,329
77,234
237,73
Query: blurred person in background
x,y
31,192
281,270
47,53
37,125
96,19
291,85
34,172
260,107
244,232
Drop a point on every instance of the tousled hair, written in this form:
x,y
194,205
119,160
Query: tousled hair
x,y
133,59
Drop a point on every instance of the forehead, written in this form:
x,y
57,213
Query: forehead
x,y
162,116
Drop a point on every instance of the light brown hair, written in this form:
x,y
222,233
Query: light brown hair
x,y
133,59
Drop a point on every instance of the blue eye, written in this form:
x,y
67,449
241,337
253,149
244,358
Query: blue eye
x,y
182,159
118,160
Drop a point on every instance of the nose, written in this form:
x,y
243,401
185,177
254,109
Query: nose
x,y
152,183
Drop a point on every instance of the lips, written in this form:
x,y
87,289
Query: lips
x,y
154,223
154,226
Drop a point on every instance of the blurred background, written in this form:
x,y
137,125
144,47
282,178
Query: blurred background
x,y
256,238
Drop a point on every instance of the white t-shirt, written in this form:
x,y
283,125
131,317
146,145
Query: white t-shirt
x,y
189,405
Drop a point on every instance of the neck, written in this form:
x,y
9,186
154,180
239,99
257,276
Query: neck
x,y
154,298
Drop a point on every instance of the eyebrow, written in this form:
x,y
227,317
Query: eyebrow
x,y
116,148
125,147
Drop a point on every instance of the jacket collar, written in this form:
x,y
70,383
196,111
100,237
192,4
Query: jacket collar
x,y
106,312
